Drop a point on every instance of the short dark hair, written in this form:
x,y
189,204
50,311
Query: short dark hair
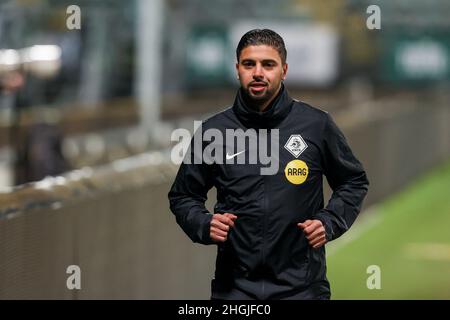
x,y
258,37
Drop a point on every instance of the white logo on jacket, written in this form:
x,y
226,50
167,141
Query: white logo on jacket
x,y
231,156
296,145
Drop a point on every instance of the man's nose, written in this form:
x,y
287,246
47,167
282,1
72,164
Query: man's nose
x,y
258,71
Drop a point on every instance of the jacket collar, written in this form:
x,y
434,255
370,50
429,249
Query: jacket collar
x,y
269,118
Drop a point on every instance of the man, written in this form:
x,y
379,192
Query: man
x,y
270,229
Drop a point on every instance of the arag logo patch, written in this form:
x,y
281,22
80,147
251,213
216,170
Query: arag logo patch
x,y
296,171
296,145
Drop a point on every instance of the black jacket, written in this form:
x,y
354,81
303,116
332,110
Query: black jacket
x,y
266,255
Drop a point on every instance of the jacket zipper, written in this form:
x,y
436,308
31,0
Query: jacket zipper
x,y
264,233
266,212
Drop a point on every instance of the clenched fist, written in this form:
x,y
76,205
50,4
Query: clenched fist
x,y
220,226
315,232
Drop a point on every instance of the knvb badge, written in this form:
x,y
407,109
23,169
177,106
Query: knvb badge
x,y
296,145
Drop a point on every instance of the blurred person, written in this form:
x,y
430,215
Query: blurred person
x,y
41,154
11,82
270,230
37,147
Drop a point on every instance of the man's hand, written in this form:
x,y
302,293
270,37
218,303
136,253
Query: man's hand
x,y
314,231
220,226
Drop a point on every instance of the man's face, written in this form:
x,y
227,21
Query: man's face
x,y
260,72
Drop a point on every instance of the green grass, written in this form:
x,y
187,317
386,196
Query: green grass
x,y
410,242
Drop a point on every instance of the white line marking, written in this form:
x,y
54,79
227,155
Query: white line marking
x,y
428,251
370,218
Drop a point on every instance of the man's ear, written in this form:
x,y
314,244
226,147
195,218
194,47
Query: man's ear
x,y
285,69
237,70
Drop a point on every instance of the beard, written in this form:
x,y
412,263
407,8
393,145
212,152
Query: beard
x,y
259,97
261,100
260,94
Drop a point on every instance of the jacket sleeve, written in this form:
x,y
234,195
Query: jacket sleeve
x,y
347,179
187,198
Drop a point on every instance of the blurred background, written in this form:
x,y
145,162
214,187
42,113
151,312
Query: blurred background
x,y
91,90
